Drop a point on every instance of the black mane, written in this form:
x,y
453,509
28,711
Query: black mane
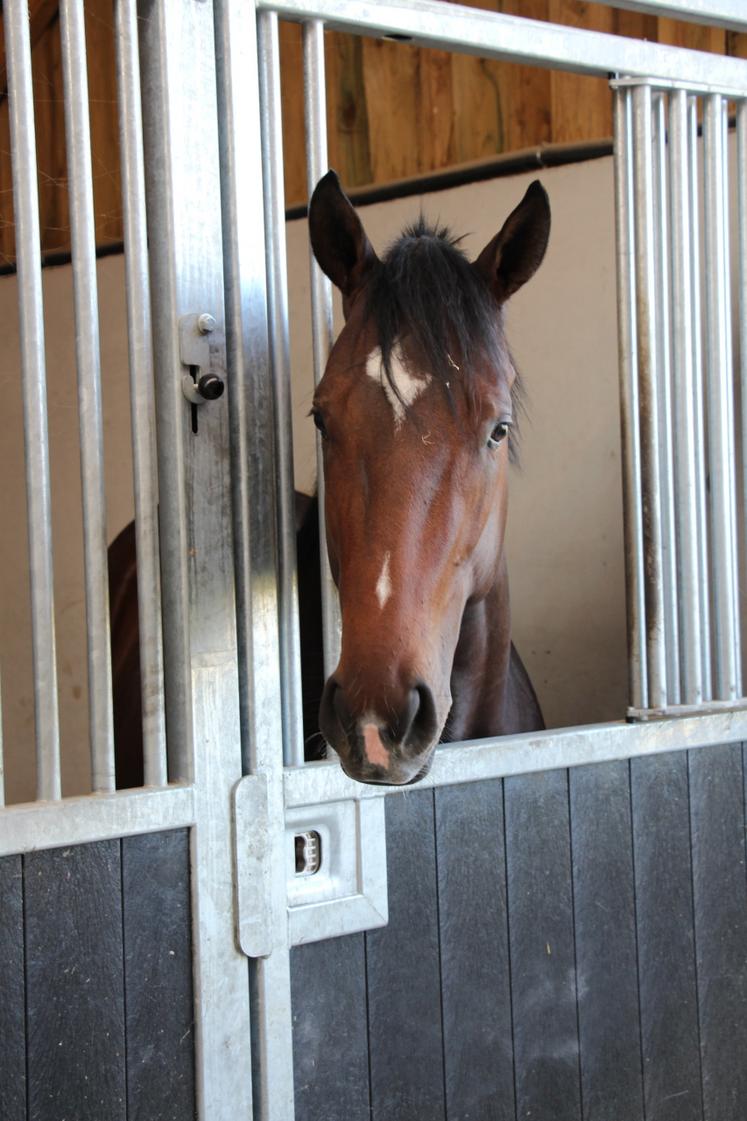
x,y
426,290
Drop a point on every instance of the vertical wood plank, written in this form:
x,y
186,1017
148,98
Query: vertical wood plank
x,y
435,110
105,161
736,44
635,25
403,969
718,852
666,953
74,983
158,977
390,78
526,89
478,1052
46,61
291,96
606,955
12,992
330,1030
695,36
347,112
543,972
581,105
7,219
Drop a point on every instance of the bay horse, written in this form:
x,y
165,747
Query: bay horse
x,y
417,412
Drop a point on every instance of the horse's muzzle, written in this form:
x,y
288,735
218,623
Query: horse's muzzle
x,y
394,751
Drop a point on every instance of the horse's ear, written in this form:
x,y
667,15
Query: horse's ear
x,y
337,236
515,254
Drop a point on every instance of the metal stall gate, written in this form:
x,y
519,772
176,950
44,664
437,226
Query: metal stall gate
x,y
600,970
123,991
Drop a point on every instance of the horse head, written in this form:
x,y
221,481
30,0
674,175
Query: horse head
x,y
415,409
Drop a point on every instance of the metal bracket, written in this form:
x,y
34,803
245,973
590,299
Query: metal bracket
x,y
335,869
201,349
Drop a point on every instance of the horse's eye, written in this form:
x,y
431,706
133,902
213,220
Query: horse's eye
x,y
499,433
319,422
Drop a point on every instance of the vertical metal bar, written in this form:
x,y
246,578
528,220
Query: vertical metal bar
x,y
629,413
142,393
88,361
742,254
315,101
701,500
255,546
277,291
688,586
664,389
720,411
181,120
648,375
162,196
728,345
31,319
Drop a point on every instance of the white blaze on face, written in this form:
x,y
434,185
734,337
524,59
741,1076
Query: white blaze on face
x,y
384,583
409,384
376,753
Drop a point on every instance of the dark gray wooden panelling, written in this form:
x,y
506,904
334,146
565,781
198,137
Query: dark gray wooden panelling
x,y
478,1051
330,1030
543,976
158,977
606,957
720,897
626,969
12,992
404,981
666,950
75,984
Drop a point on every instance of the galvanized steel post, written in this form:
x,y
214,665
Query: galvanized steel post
x,y
277,295
688,586
88,361
36,434
315,102
142,394
720,408
648,379
629,418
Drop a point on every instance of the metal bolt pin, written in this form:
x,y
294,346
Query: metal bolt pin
x,y
205,323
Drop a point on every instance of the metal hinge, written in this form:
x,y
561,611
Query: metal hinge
x,y
335,868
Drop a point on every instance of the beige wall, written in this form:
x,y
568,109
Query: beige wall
x,y
565,526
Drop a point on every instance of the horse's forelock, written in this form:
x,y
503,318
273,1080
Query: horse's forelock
x,y
425,290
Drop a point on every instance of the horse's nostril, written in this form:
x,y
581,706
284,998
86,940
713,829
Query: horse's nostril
x,y
424,724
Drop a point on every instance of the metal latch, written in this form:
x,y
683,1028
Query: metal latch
x,y
201,349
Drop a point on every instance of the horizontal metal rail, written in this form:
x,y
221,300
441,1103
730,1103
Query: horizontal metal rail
x,y
477,760
731,14
94,817
429,23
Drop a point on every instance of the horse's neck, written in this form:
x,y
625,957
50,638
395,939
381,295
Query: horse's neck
x,y
491,691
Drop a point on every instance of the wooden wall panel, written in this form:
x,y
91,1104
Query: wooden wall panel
x,y
394,110
581,107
